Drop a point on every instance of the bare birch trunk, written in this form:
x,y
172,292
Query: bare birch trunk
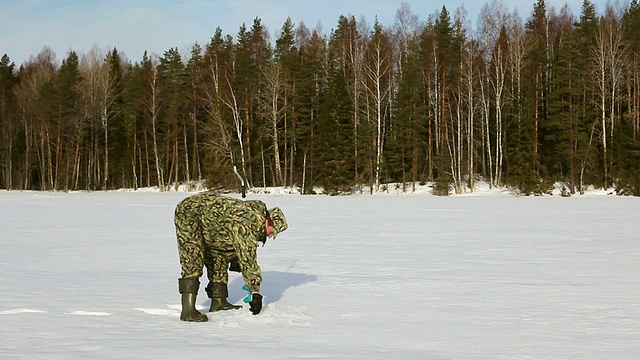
x,y
154,109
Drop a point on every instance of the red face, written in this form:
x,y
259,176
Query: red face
x,y
268,225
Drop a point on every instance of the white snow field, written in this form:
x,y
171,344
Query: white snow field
x,y
472,276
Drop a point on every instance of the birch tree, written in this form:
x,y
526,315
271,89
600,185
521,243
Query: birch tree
x,y
153,104
35,76
607,52
631,26
377,72
272,108
224,119
469,84
498,80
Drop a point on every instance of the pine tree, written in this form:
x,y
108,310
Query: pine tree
x,y
174,99
134,110
252,52
564,133
447,43
406,141
245,72
191,138
626,162
8,121
223,129
523,156
68,120
346,48
117,141
309,79
334,142
287,55
585,31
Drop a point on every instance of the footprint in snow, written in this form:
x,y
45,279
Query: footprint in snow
x,y
32,311
88,313
171,310
163,312
19,311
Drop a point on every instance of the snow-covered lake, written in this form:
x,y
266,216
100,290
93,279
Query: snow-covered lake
x,y
94,275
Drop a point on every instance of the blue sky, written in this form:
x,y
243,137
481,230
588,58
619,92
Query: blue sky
x,y
133,26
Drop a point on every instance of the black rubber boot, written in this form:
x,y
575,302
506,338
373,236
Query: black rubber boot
x,y
218,293
189,289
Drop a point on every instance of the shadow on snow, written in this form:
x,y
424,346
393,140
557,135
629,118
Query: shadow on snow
x,y
274,285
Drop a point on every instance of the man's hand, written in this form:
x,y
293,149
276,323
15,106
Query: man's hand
x,y
256,303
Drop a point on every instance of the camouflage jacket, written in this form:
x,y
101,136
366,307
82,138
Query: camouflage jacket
x,y
229,224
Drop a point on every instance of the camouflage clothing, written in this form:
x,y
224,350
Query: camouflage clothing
x,y
278,220
212,229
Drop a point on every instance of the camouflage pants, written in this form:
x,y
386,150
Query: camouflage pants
x,y
211,229
195,253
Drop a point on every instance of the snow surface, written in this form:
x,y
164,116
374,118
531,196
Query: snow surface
x,y
474,276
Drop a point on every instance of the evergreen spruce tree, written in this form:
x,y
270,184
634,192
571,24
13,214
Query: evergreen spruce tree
x,y
428,68
447,62
220,136
564,131
626,162
252,52
586,29
117,139
345,47
287,56
134,110
406,141
257,126
68,121
191,137
8,121
174,100
45,113
310,76
334,138
523,138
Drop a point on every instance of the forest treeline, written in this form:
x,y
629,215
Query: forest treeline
x,y
525,104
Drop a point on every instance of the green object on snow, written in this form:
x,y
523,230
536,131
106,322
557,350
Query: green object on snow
x,y
249,297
